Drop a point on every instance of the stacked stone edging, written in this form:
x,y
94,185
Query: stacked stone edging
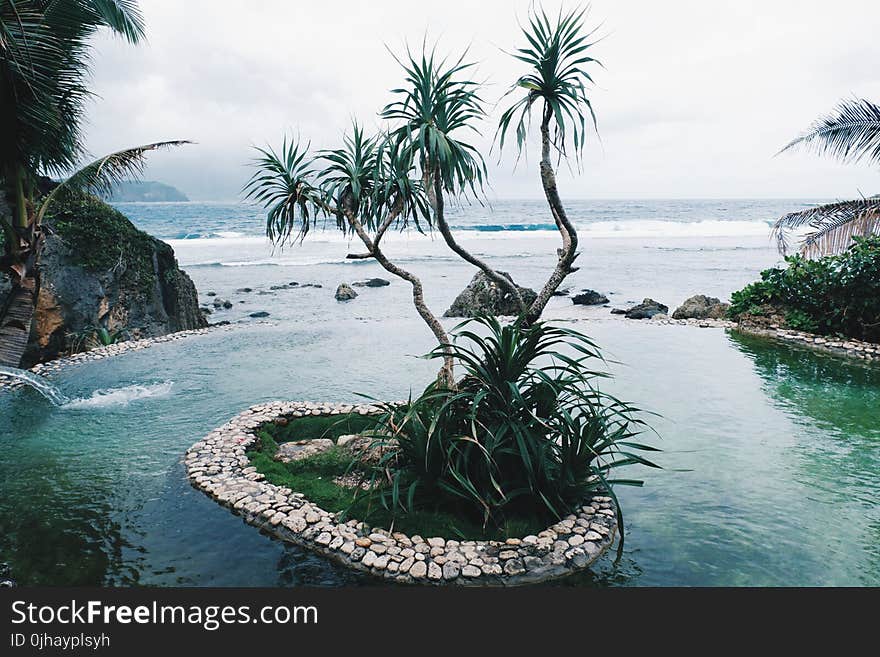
x,y
218,466
100,353
868,351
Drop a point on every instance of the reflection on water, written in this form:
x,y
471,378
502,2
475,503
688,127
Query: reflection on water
x,y
770,458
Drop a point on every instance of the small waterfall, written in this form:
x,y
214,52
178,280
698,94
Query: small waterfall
x,y
36,382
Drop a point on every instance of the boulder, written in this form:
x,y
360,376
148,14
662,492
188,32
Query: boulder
x,y
564,292
97,269
372,282
619,311
259,314
345,292
647,309
701,307
589,298
484,296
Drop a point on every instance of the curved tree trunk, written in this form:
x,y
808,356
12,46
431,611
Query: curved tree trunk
x,y
440,217
568,252
446,375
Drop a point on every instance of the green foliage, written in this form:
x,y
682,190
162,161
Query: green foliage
x,y
526,433
834,294
101,239
312,427
314,477
556,56
92,337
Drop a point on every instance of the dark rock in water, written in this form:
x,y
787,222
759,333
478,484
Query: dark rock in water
x,y
222,303
647,309
259,313
372,282
97,269
484,296
293,284
619,311
345,292
285,286
701,307
212,294
562,293
225,322
205,310
227,305
245,289
311,285
589,298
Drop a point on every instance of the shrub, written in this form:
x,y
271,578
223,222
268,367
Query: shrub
x,y
834,294
526,432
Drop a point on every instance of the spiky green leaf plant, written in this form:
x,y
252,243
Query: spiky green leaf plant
x,y
556,82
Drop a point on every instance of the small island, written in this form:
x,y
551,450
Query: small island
x,y
145,191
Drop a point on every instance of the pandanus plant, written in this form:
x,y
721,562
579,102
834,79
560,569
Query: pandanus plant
x,y
44,57
556,83
368,185
851,133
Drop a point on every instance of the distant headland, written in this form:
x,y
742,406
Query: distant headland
x,y
145,191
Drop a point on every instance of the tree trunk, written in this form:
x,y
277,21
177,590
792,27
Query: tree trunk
x,y
15,321
497,278
446,376
568,252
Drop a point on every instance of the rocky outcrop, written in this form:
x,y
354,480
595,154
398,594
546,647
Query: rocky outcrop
x,y
372,282
647,309
701,307
483,296
98,270
345,292
589,298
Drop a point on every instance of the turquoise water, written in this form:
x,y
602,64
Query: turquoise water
x,y
771,457
771,454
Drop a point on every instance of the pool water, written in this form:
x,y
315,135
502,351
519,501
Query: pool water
x,y
770,456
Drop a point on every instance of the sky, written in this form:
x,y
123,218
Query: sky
x,y
694,98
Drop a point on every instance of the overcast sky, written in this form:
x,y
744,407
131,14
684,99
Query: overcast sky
x,y
694,100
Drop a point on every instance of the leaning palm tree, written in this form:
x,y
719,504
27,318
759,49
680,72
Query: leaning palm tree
x,y
369,185
851,133
432,111
556,82
44,66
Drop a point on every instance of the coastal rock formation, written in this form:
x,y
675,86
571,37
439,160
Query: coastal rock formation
x,y
484,296
345,292
98,270
589,298
372,282
647,309
701,307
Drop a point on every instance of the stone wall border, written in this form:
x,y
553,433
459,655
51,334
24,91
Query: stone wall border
x,y
841,347
218,466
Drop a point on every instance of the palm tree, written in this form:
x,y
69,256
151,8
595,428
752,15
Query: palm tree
x,y
557,82
851,133
44,57
368,185
431,112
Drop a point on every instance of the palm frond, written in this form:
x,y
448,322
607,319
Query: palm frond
x,y
556,55
284,184
432,110
102,175
850,133
832,225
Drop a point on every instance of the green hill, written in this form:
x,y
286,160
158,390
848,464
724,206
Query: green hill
x,y
145,191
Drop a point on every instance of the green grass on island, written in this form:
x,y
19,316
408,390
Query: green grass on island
x,y
313,477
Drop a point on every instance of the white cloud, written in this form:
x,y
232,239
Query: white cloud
x,y
695,99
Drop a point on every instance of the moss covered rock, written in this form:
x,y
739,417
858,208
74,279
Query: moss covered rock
x,y
98,270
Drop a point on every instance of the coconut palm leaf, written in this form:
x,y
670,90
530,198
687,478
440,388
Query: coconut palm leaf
x,y
102,175
833,226
557,58
850,133
284,184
